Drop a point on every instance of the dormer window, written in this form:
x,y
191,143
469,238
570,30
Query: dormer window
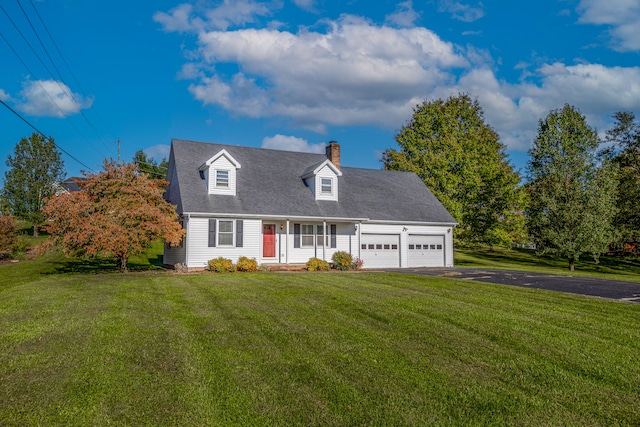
x,y
222,179
220,173
327,186
322,179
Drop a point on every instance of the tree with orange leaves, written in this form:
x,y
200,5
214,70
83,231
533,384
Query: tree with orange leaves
x,y
119,212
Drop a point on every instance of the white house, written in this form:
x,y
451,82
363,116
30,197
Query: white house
x,y
283,207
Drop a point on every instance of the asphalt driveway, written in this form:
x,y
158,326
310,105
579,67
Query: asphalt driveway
x,y
612,289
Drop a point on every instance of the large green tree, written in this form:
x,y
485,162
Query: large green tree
x,y
572,191
34,170
461,159
150,166
625,153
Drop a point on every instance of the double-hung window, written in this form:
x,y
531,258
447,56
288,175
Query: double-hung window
x,y
306,235
225,233
326,185
222,178
222,232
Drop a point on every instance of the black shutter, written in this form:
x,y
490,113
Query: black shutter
x,y
296,235
212,233
239,233
334,232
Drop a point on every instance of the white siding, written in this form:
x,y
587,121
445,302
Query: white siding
x,y
221,163
326,172
200,253
346,240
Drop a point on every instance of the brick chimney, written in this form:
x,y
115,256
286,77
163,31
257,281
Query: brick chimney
x,y
333,153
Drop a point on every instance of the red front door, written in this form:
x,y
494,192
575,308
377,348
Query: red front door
x,y
269,241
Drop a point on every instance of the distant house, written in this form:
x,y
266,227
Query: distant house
x,y
69,185
283,207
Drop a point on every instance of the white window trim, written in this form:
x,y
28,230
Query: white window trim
x,y
303,235
232,232
227,183
330,185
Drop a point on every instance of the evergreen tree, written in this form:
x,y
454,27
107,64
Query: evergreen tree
x,y
572,192
34,169
460,158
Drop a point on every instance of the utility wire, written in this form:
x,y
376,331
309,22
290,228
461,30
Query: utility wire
x,y
64,86
41,87
43,135
75,79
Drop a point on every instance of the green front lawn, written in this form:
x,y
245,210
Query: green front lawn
x,y
156,348
614,268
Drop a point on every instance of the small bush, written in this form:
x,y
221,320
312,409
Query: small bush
x,y
181,268
264,268
342,260
316,264
357,263
247,264
9,241
220,265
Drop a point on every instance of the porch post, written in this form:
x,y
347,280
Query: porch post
x,y
286,244
324,240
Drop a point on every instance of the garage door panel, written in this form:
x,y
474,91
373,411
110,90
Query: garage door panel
x,y
425,251
380,250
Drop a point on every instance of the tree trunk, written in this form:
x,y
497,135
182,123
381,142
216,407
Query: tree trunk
x,y
572,264
122,263
35,230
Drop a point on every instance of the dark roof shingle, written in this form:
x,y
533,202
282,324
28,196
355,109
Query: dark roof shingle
x,y
269,184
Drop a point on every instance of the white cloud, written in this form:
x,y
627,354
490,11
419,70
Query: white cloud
x,y
50,98
292,143
355,73
4,96
461,12
158,152
404,16
188,18
623,17
308,5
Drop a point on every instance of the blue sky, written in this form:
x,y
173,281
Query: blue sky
x,y
295,74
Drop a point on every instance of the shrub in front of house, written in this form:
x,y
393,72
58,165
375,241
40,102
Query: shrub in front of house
x,y
357,263
316,264
342,260
220,265
247,264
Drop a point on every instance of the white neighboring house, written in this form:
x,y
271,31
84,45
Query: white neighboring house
x,y
283,207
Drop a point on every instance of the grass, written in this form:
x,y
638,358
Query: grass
x,y
609,267
155,348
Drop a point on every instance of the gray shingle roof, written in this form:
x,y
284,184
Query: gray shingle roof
x,y
269,184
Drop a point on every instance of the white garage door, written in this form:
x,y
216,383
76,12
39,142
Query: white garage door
x,y
425,251
380,250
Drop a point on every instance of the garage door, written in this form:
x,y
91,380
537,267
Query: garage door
x,y
425,251
380,250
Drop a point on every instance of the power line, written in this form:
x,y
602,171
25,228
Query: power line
x,y
66,87
39,82
43,135
75,79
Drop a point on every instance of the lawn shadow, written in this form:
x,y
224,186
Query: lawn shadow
x,y
107,265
